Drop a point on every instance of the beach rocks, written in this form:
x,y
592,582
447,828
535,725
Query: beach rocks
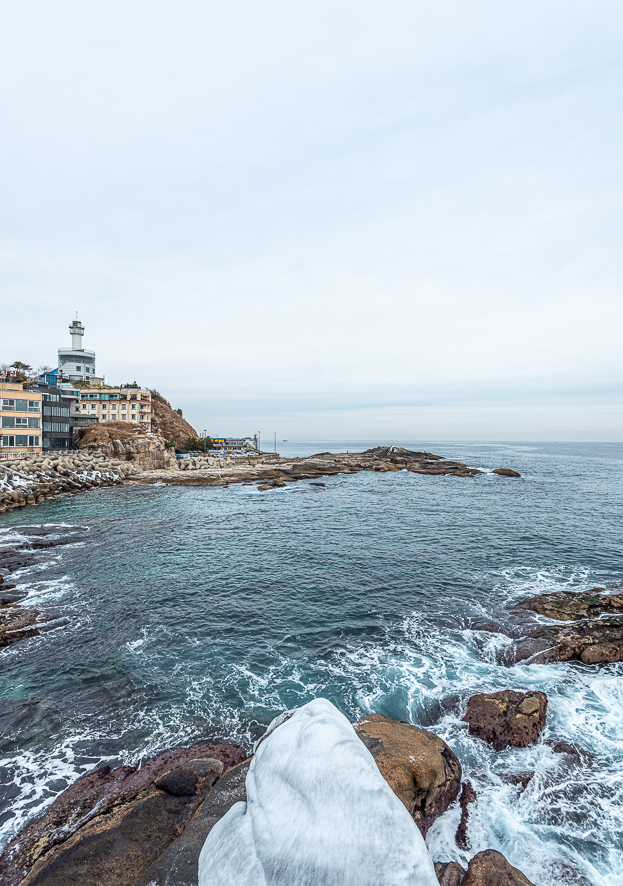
x,y
507,719
505,472
421,769
490,868
591,642
109,826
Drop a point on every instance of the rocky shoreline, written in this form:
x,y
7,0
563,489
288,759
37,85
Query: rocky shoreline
x,y
163,812
147,826
145,460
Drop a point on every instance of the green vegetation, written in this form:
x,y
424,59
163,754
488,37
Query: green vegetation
x,y
129,456
179,412
194,445
156,395
130,385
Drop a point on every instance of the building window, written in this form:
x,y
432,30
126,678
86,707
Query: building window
x,y
93,406
8,421
8,404
34,422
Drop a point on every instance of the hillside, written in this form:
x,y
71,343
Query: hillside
x,y
166,422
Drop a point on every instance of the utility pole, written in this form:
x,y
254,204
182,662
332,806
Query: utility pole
x,y
205,434
259,442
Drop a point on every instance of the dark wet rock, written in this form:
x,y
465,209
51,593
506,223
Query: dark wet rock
x,y
421,769
110,825
531,646
563,747
572,606
191,778
519,778
449,873
490,628
468,795
490,868
507,719
506,472
17,623
179,863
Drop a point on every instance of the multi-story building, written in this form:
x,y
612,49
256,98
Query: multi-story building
x,y
75,362
114,404
20,417
55,419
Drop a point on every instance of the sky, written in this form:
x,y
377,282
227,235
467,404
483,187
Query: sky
x,y
396,220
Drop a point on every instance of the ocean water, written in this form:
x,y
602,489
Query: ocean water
x,y
185,613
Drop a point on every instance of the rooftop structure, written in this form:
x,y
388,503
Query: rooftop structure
x,y
76,362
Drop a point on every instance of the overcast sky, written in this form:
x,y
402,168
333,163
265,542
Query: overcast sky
x,y
329,219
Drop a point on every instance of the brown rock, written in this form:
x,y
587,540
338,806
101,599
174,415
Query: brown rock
x,y
591,642
505,472
468,795
179,863
15,624
490,868
573,606
449,873
507,719
109,826
421,769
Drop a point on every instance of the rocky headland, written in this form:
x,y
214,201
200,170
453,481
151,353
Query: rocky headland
x,y
147,826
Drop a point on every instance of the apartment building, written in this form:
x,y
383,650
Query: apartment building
x,y
20,418
115,404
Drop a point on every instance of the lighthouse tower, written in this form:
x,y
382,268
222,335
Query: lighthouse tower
x,y
76,362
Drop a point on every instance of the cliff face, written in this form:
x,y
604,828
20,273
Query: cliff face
x,y
166,422
117,438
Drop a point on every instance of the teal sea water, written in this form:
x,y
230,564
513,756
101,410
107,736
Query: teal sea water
x,y
182,613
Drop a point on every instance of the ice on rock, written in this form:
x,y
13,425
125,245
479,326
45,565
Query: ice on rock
x,y
318,813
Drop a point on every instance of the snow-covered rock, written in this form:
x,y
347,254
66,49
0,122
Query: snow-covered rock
x,y
318,813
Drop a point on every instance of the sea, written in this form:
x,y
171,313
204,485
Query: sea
x,y
184,613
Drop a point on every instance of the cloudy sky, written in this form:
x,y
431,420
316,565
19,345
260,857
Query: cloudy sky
x,y
329,219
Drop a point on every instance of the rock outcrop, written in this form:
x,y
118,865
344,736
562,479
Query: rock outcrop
x,y
110,826
574,606
317,811
420,768
129,442
587,634
507,719
490,868
506,472
168,423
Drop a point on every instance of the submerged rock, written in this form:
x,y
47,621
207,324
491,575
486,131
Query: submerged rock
x,y
506,472
507,719
318,811
420,768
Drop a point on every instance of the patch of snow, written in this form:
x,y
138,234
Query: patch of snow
x,y
318,813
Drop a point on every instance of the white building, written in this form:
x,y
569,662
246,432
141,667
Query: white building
x,y
75,362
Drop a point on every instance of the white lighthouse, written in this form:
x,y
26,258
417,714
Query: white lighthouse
x,y
76,362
